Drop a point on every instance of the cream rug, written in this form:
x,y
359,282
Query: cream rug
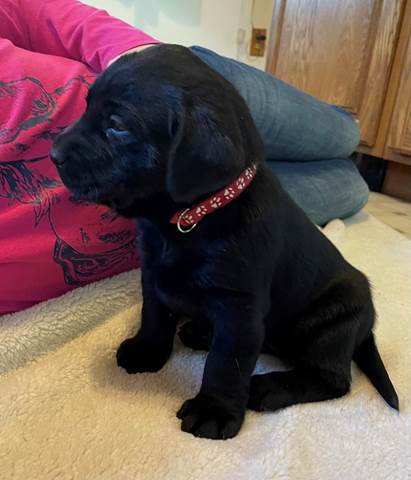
x,y
68,412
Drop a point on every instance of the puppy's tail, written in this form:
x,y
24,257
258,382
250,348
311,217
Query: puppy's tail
x,y
366,356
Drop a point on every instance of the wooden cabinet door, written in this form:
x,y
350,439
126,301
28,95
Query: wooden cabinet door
x,y
399,137
340,51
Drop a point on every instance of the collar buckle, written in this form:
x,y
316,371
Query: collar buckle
x,y
179,220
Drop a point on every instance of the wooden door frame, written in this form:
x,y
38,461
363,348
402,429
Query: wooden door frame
x,y
277,18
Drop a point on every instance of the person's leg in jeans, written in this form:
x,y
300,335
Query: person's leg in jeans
x,y
292,124
325,189
296,127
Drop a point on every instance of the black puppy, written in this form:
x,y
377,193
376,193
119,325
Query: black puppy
x,y
163,132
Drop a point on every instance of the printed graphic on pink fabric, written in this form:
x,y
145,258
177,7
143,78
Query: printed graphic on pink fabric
x,y
30,104
24,181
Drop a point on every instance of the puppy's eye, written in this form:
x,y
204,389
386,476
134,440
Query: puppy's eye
x,y
115,123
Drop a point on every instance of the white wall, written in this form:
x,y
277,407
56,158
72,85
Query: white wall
x,y
211,23
255,14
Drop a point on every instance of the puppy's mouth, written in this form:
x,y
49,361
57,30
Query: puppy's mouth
x,y
81,191
87,194
91,194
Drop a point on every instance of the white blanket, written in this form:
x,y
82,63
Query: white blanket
x,y
68,412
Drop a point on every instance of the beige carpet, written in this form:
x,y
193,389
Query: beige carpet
x,y
67,411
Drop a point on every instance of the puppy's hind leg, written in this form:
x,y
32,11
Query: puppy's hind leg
x,y
276,390
196,335
330,378
321,345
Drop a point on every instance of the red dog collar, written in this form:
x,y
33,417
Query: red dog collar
x,y
189,217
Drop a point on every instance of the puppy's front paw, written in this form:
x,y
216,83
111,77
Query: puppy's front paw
x,y
137,356
208,417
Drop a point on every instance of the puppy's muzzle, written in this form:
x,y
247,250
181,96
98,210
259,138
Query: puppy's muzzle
x,y
64,145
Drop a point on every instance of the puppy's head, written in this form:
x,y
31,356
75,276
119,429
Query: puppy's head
x,y
157,122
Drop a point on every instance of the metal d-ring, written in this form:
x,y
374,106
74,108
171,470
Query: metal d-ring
x,y
179,227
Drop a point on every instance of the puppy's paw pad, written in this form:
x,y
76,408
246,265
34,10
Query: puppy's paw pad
x,y
205,417
137,356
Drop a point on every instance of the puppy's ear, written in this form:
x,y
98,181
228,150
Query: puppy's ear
x,y
207,152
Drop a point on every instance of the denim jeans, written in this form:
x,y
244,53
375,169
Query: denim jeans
x,y
307,142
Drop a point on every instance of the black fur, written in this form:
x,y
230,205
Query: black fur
x,y
161,131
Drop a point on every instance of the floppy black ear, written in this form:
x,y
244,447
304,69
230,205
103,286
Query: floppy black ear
x,y
207,152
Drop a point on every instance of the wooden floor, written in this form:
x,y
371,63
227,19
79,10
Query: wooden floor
x,y
391,211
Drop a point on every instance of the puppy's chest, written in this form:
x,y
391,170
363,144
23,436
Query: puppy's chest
x,y
174,270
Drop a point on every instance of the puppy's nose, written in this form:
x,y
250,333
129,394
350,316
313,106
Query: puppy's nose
x,y
57,157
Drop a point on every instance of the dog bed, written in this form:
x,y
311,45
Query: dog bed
x,y
68,412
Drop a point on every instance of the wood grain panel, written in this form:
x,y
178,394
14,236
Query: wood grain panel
x,y
399,138
376,81
338,50
379,148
